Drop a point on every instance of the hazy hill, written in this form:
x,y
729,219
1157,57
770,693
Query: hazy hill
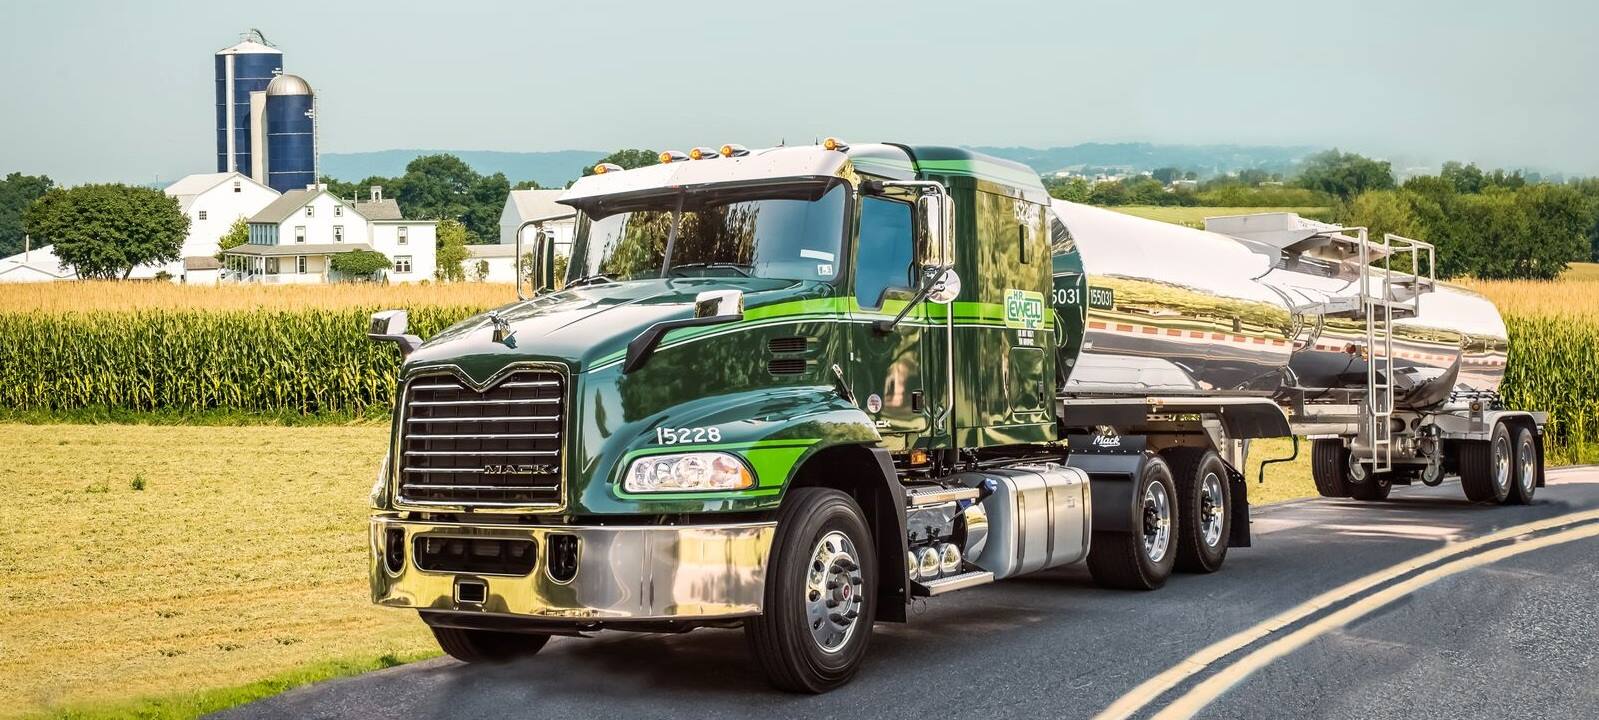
x,y
553,169
1206,159
550,169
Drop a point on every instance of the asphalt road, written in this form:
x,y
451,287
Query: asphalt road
x,y
1517,637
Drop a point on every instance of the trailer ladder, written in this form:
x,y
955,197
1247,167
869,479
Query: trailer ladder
x,y
1383,297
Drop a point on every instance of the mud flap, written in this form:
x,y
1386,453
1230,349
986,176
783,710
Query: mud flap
x,y
1238,531
1112,471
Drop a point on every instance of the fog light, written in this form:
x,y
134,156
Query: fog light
x,y
928,566
949,558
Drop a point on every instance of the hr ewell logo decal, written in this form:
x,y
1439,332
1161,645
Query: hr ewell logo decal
x,y
1024,309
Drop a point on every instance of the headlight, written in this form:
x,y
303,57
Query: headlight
x,y
688,472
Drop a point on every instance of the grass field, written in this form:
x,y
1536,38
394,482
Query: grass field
x,y
242,558
1195,216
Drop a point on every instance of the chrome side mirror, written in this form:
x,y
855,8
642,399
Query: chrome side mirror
x,y
390,326
719,303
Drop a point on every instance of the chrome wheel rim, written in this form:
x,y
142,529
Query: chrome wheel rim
x,y
833,599
1212,508
1157,522
1527,459
1501,451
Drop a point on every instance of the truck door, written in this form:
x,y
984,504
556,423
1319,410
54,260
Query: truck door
x,y
888,367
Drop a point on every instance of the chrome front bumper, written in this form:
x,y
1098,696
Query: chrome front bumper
x,y
623,573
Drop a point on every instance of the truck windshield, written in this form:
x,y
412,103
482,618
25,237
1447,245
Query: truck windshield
x,y
792,231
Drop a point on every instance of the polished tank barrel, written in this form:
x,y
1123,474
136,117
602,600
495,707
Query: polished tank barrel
x,y
1164,308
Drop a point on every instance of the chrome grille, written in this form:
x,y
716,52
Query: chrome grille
x,y
500,447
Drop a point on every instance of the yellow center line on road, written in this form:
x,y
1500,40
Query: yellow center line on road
x,y
1146,692
1214,686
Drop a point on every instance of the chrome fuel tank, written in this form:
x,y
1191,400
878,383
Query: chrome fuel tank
x,y
1168,308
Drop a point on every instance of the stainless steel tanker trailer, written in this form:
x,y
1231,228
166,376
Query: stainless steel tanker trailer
x,y
796,390
1393,375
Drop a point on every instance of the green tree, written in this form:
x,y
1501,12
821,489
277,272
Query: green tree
x,y
480,271
437,187
451,251
1345,175
627,159
1166,175
1074,189
104,231
527,185
1385,211
360,264
17,192
238,234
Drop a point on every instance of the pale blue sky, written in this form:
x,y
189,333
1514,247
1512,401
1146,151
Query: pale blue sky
x,y
123,90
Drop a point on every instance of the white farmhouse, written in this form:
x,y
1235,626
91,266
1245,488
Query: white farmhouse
x,y
213,201
496,263
294,239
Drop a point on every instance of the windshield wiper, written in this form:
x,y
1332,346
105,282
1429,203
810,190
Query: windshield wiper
x,y
747,270
589,280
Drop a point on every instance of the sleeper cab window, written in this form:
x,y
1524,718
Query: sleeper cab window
x,y
883,256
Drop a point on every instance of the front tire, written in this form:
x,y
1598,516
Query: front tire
x,y
1204,516
487,646
1487,468
1141,559
1526,468
820,596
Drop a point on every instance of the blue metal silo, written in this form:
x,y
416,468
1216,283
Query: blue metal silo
x,y
240,70
290,134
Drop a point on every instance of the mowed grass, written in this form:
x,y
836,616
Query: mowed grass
x,y
242,558
1195,216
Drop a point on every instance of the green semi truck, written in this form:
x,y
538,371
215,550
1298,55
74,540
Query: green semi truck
x,y
797,390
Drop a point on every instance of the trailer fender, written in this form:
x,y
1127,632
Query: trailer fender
x,y
1111,471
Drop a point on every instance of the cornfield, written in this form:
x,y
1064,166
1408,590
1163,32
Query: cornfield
x,y
156,346
309,361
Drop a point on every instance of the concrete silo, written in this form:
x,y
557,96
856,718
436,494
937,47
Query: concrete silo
x,y
242,69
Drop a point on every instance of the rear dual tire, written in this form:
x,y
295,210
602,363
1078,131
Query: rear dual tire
x,y
1487,469
1143,558
1205,503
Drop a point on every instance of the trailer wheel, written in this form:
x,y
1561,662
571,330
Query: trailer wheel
x,y
1142,559
487,646
1487,469
821,594
1526,468
1204,505
1329,467
1374,488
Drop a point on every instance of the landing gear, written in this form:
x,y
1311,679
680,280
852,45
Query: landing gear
x,y
1204,505
1527,468
1369,486
1141,559
821,594
1487,468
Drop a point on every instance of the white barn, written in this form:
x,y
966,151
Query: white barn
x,y
539,207
213,201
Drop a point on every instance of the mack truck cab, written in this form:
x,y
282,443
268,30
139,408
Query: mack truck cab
x,y
794,390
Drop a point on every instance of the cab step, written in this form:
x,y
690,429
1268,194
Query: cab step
x,y
951,583
936,495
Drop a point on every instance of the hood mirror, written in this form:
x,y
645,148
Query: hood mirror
x,y
719,303
390,326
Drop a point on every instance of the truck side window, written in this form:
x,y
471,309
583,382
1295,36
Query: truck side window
x,y
885,251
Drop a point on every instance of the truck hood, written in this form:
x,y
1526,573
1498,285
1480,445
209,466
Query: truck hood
x,y
577,327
